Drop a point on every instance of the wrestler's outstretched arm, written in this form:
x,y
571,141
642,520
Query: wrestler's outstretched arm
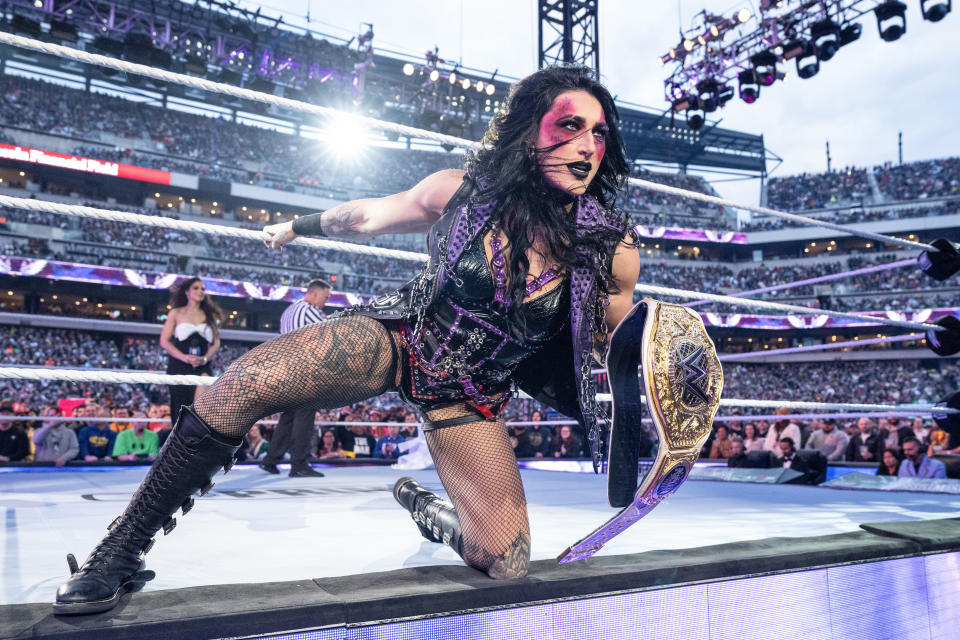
x,y
410,211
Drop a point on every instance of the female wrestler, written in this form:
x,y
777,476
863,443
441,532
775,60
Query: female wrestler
x,y
191,336
529,269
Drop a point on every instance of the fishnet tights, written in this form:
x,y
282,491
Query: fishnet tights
x,y
345,360
478,469
325,365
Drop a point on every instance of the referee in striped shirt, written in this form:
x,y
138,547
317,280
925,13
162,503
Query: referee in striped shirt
x,y
294,431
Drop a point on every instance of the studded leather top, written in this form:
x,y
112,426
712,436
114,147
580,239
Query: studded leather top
x,y
472,342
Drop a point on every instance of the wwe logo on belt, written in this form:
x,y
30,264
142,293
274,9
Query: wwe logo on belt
x,y
691,374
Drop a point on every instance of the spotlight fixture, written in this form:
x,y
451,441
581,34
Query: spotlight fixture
x,y
749,87
891,20
808,65
453,77
850,33
63,31
765,66
724,94
408,69
825,36
793,49
935,10
707,94
491,89
434,75
695,119
743,15
465,84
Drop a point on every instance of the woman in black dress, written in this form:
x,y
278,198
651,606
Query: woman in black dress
x,y
191,337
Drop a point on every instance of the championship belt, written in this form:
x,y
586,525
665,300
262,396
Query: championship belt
x,y
668,346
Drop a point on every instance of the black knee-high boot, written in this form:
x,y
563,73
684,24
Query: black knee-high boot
x,y
437,520
190,458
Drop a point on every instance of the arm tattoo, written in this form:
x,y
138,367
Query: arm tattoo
x,y
342,221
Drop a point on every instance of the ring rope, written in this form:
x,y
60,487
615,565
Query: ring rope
x,y
779,306
822,347
199,227
138,377
297,105
833,276
879,237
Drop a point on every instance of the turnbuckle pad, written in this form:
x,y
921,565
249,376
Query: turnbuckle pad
x,y
945,342
169,525
949,422
943,263
205,490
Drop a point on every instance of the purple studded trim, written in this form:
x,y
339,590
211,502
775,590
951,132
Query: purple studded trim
x,y
446,341
499,272
541,280
479,400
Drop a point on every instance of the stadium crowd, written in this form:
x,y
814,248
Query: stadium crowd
x,y
818,190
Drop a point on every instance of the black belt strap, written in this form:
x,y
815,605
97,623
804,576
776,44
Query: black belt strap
x,y
430,425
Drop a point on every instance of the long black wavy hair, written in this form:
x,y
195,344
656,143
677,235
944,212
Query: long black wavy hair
x,y
211,310
528,207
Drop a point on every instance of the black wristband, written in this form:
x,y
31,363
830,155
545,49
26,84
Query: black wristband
x,y
309,225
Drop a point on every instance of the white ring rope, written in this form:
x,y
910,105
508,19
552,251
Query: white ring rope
x,y
324,243
140,377
821,347
304,107
879,237
766,304
797,404
199,227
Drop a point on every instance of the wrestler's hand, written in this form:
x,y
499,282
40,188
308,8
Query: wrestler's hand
x,y
278,235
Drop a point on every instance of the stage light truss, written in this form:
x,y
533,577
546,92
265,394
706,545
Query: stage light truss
x,y
721,56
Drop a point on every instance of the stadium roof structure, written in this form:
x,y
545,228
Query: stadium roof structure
x,y
226,30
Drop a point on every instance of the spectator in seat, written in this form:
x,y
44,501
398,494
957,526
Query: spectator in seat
x,y
566,445
829,440
752,441
917,465
889,463
136,443
387,445
329,445
539,436
738,456
96,441
55,441
119,415
520,439
788,456
256,446
867,444
720,449
938,440
920,430
355,442
14,444
781,429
